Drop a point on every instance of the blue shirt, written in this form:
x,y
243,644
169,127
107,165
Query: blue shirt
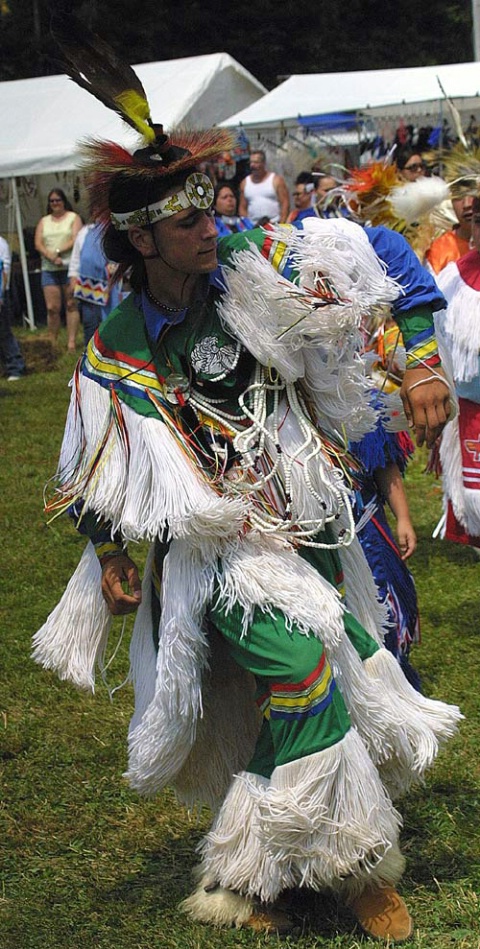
x,y
156,318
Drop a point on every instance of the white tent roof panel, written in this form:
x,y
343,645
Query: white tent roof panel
x,y
315,93
43,119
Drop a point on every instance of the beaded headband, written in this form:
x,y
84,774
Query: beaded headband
x,y
197,193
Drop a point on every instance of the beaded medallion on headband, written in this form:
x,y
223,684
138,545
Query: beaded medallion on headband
x,y
197,193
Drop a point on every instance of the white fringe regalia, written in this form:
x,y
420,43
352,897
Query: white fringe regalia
x,y
458,334
326,820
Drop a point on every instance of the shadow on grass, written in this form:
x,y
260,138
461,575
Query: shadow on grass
x,y
440,835
446,550
167,879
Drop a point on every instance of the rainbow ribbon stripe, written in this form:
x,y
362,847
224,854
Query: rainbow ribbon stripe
x,y
298,700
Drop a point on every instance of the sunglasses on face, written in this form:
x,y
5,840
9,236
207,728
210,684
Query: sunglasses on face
x,y
415,167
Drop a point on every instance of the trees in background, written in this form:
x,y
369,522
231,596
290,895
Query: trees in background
x,y
271,41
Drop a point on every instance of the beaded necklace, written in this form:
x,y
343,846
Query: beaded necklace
x,y
159,304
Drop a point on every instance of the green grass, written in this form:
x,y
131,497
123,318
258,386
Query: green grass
x,y
84,862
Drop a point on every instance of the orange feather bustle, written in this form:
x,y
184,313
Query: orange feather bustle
x,y
376,177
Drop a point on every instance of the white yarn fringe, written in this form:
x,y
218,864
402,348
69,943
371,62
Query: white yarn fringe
x,y
388,872
374,719
465,503
257,308
341,251
340,391
143,655
269,314
233,852
318,820
161,742
460,323
151,488
74,638
267,573
427,723
361,592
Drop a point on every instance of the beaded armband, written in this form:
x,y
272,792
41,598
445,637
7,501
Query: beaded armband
x,y
419,338
106,551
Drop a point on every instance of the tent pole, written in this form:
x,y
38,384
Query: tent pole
x,y
30,319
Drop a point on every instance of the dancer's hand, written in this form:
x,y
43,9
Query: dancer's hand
x,y
118,572
407,538
426,402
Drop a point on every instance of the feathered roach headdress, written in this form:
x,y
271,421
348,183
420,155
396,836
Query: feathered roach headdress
x,y
460,167
94,66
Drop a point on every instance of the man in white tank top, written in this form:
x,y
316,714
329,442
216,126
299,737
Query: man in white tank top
x,y
263,194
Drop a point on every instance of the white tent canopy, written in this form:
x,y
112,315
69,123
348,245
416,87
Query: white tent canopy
x,y
321,93
43,119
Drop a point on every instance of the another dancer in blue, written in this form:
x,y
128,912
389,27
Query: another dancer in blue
x,y
384,456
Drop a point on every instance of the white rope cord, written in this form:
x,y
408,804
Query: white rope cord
x,y
264,459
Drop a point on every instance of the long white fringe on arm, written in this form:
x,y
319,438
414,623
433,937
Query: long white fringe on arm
x,y
340,391
144,485
276,319
74,638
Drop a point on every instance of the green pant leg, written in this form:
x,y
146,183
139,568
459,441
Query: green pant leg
x,y
328,564
296,689
359,638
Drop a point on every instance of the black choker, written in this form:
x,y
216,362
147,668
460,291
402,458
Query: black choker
x,y
159,304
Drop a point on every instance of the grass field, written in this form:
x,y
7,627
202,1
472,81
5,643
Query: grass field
x,y
85,863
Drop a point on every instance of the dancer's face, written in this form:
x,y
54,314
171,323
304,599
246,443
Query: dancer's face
x,y
187,241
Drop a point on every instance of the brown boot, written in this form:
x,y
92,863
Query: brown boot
x,y
382,913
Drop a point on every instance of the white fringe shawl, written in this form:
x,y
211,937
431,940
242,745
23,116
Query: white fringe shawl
x,y
460,325
316,821
271,318
73,639
151,486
